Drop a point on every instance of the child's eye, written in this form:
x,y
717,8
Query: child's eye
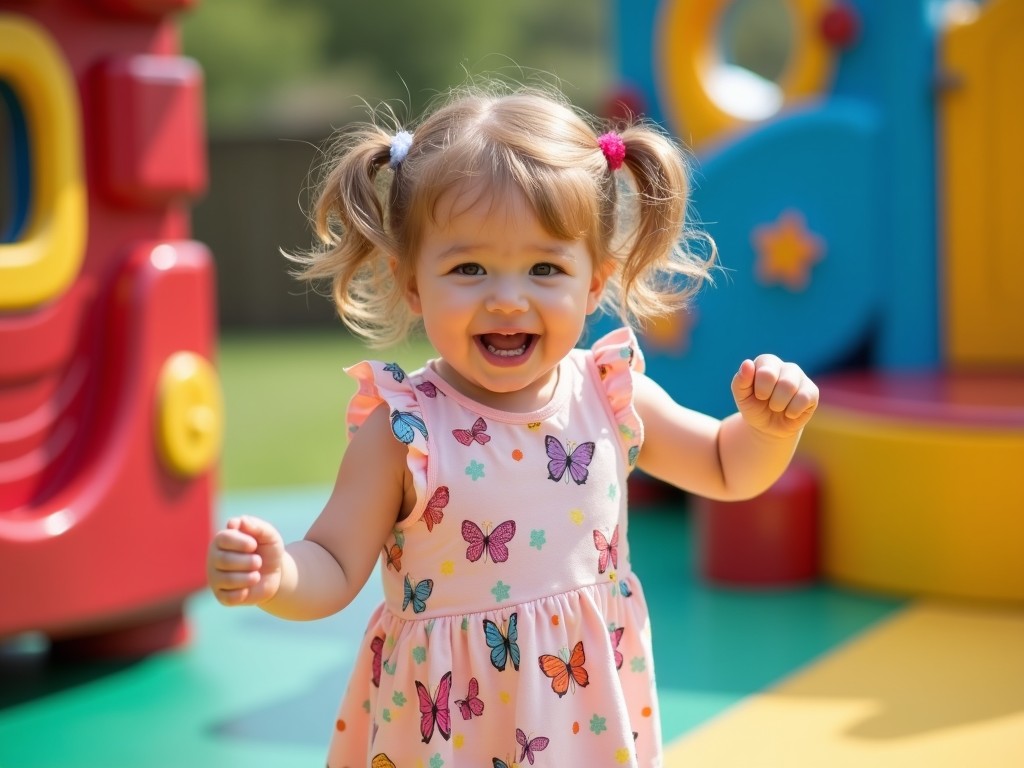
x,y
469,270
544,270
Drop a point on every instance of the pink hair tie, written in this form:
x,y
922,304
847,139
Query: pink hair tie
x,y
614,149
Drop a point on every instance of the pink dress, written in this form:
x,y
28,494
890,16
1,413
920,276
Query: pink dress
x,y
512,628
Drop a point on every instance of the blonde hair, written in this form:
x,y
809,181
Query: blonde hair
x,y
369,217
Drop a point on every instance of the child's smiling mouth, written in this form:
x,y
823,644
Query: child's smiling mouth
x,y
507,346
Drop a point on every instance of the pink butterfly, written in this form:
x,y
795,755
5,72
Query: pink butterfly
x,y
471,705
493,543
530,746
467,436
428,389
616,638
434,512
607,549
377,646
434,711
575,461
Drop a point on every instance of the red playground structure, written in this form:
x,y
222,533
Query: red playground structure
x,y
110,406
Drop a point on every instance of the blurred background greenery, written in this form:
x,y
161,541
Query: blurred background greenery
x,y
293,68
281,76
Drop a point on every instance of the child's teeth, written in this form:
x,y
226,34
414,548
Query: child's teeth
x,y
506,352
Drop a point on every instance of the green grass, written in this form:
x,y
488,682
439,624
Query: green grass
x,y
285,399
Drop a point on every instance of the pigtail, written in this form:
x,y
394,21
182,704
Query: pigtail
x,y
356,249
658,269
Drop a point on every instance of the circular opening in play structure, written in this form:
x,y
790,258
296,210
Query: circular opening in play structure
x,y
754,40
15,190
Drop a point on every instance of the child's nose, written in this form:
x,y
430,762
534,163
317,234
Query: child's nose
x,y
507,295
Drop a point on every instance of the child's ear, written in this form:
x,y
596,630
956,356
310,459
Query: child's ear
x,y
412,297
597,284
412,294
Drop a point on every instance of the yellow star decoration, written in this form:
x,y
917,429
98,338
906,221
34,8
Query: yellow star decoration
x,y
786,251
576,515
672,332
447,568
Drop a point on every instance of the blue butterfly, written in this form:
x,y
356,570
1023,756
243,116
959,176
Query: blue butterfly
x,y
404,423
395,370
634,454
417,595
503,646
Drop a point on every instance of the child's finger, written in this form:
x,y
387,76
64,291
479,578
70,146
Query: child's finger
x,y
262,531
229,540
743,381
790,378
227,581
226,561
233,595
804,402
766,375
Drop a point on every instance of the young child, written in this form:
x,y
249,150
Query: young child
x,y
491,483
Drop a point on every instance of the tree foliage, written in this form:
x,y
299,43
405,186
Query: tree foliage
x,y
301,66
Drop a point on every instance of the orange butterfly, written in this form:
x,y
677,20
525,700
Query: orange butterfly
x,y
563,672
394,557
382,761
434,512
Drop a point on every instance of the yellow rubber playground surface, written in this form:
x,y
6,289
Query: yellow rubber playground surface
x,y
815,676
933,685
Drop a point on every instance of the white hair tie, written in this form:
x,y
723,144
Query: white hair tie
x,y
400,144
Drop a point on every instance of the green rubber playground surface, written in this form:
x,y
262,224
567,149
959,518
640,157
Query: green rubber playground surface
x,y
251,690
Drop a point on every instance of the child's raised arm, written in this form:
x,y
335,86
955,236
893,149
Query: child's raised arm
x,y
321,574
740,456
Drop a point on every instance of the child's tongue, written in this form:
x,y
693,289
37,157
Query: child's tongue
x,y
505,341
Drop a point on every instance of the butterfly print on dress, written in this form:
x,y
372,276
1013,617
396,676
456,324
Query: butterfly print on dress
x,y
563,673
571,463
434,711
429,389
474,434
471,705
493,544
396,372
404,425
393,556
530,745
607,550
417,595
434,513
377,647
503,646
615,635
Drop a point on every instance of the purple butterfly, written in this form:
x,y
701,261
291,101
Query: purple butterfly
x,y
530,745
493,543
576,461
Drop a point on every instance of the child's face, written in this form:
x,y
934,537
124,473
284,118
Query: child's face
x,y
502,301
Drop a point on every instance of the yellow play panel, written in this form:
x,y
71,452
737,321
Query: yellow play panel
x,y
937,685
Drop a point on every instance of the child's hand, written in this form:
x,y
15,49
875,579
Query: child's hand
x,y
243,566
774,397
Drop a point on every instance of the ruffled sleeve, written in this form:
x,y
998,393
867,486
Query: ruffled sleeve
x,y
618,356
387,383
